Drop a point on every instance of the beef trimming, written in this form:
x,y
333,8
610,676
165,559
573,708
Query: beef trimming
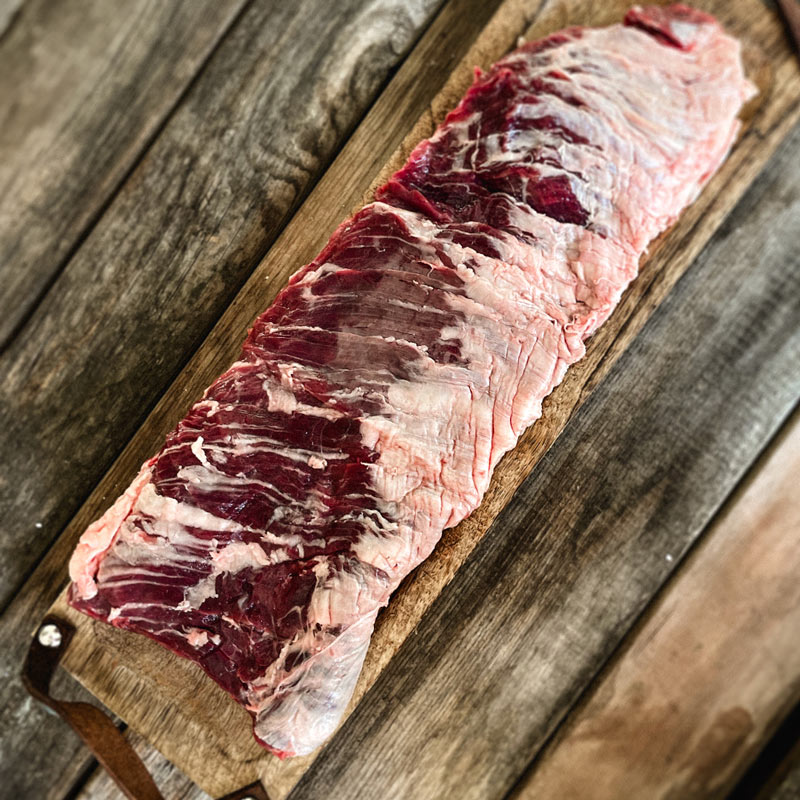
x,y
373,399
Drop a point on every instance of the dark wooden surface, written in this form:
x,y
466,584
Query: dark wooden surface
x,y
86,88
787,785
232,114
722,631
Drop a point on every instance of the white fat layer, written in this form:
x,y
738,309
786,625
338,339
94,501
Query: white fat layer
x,y
197,449
197,637
282,399
172,518
100,535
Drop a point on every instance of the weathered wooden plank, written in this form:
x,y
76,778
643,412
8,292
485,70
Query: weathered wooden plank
x,y
194,703
612,508
275,102
707,676
186,234
85,87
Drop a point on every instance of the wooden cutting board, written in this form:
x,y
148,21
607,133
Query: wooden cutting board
x,y
169,700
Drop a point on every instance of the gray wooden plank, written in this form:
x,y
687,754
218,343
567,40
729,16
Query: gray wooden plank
x,y
272,107
86,84
705,680
596,529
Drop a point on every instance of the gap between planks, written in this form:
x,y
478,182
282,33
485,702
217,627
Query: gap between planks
x,y
9,9
771,118
771,773
708,673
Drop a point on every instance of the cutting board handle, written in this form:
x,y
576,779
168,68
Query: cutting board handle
x,y
96,728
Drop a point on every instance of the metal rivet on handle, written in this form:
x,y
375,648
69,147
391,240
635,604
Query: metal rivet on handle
x,y
49,635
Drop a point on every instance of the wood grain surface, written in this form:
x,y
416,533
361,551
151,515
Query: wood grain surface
x,y
120,669
85,88
706,676
188,226
247,141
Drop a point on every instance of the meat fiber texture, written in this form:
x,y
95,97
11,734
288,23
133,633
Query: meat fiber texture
x,y
373,399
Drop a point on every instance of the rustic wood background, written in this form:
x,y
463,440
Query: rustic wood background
x,y
635,603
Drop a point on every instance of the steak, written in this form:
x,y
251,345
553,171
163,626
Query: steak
x,y
373,399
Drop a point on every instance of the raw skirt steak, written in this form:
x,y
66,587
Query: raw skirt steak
x,y
373,399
